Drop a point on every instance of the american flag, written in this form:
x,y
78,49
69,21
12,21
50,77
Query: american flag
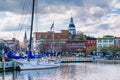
x,y
52,26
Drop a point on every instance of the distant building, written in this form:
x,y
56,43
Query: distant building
x,y
46,39
41,36
72,29
3,45
108,36
102,42
76,45
13,44
91,43
117,41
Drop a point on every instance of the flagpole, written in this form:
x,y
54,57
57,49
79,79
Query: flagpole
x,y
53,38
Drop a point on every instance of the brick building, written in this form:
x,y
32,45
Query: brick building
x,y
76,45
63,35
46,39
90,45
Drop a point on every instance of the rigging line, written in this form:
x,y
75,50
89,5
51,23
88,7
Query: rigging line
x,y
24,18
36,15
20,27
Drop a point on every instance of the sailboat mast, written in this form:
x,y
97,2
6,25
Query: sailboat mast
x,y
31,28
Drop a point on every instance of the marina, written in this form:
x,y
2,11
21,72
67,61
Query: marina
x,y
59,40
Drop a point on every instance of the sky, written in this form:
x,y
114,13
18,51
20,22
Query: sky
x,y
92,17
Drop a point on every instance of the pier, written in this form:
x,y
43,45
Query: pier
x,y
76,59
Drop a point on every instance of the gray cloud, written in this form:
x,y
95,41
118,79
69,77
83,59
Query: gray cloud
x,y
44,6
103,27
14,6
15,28
82,10
81,7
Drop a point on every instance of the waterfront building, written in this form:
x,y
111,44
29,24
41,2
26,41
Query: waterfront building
x,y
46,39
13,44
90,44
102,42
38,36
3,45
72,28
117,41
76,46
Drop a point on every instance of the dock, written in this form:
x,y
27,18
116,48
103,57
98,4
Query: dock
x,y
76,59
8,66
107,61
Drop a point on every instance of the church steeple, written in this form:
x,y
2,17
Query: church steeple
x,y
25,41
72,28
25,36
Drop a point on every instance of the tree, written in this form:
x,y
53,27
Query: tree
x,y
109,49
104,49
90,49
44,46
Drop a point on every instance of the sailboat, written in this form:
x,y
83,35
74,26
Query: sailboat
x,y
32,62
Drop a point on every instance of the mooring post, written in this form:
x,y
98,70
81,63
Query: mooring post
x,y
3,61
14,64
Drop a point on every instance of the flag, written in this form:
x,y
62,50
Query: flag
x,y
51,26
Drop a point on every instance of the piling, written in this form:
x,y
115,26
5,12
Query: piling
x,y
3,61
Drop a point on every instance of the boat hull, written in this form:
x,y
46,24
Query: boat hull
x,y
33,65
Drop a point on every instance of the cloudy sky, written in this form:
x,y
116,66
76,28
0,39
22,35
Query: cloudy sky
x,y
92,17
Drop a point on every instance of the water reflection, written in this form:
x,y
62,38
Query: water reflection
x,y
72,71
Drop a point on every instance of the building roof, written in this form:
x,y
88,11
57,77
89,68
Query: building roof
x,y
105,38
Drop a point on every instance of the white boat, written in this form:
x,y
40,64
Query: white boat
x,y
35,64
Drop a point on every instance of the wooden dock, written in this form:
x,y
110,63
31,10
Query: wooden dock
x,y
8,65
76,59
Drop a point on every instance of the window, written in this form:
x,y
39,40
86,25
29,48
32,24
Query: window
x,y
110,41
105,41
99,41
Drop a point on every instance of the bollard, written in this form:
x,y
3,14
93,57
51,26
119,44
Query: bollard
x,y
14,65
3,63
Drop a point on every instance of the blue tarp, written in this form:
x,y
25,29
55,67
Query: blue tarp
x,y
17,57
39,55
10,55
30,55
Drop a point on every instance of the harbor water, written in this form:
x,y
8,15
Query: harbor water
x,y
68,71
